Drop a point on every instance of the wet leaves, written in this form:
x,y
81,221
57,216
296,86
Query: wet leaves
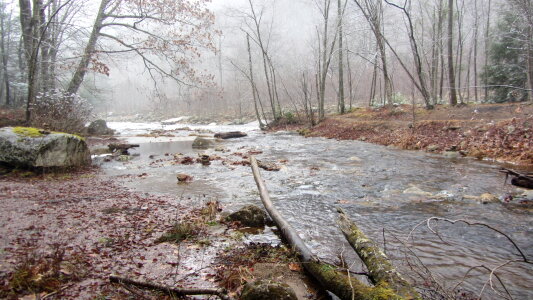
x,y
507,140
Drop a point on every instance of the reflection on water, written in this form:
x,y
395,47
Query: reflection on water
x,y
386,191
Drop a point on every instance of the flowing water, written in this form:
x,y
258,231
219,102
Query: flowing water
x,y
386,191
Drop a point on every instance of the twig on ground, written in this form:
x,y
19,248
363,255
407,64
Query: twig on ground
x,y
172,291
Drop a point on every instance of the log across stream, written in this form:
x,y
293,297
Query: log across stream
x,y
388,192
388,282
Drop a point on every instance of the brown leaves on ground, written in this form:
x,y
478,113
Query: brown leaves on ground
x,y
508,140
75,230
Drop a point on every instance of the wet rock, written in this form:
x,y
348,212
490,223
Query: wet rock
x,y
250,215
230,135
475,152
201,143
183,177
483,198
122,148
488,198
205,160
32,147
417,191
267,290
99,127
124,158
432,148
510,129
451,154
268,166
221,149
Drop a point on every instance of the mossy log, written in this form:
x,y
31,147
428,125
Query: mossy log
x,y
380,269
338,282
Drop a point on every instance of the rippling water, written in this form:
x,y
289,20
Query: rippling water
x,y
386,191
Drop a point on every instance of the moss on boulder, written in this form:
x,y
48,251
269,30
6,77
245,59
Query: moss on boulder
x,y
33,147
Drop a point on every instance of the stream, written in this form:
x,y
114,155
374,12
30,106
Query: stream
x,y
386,191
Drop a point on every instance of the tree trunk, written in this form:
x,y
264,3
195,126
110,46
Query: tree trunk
x,y
487,28
325,67
338,282
341,60
33,63
81,70
258,116
5,54
379,266
476,33
451,73
530,60
26,27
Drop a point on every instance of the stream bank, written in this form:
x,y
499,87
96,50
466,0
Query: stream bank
x,y
498,132
387,191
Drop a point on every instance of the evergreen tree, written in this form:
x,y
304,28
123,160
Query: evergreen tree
x,y
507,72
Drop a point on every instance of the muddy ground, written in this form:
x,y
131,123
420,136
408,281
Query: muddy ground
x,y
63,234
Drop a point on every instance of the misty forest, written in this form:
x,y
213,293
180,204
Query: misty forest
x,y
266,149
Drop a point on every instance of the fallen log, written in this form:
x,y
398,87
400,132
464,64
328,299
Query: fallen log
x,y
519,179
338,282
171,291
380,269
230,135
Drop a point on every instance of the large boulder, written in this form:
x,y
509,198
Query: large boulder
x,y
32,147
202,143
99,127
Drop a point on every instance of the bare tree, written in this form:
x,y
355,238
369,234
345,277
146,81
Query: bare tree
x,y
373,12
340,15
451,73
165,35
421,84
5,32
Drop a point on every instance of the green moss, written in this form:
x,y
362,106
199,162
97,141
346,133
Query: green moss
x,y
28,131
382,291
36,132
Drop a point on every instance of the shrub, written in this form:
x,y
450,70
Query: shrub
x,y
290,118
179,232
56,110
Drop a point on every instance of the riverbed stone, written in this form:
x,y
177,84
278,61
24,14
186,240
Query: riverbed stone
x,y
99,127
201,143
267,290
488,198
33,147
451,154
417,191
183,177
432,148
250,215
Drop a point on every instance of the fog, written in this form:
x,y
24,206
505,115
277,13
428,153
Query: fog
x,y
291,52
